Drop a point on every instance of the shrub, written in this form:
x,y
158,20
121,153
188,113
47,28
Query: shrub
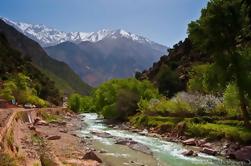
x,y
7,160
49,117
141,120
168,81
198,77
74,102
166,107
121,97
217,131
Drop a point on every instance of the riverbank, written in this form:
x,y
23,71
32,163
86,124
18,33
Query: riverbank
x,y
222,148
45,137
108,140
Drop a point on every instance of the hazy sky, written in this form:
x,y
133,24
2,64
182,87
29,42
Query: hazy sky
x,y
163,21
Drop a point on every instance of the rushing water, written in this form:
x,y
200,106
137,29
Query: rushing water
x,y
166,153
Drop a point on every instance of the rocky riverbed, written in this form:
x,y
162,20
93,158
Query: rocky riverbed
x,y
112,140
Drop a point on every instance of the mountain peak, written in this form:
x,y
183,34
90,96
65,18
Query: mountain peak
x,y
47,36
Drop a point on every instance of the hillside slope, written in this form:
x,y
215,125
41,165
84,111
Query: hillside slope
x,y
171,73
39,57
97,62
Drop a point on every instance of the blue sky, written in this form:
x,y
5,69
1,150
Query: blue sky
x,y
163,21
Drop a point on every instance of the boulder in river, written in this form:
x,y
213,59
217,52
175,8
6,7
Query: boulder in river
x,y
189,153
191,142
243,154
102,134
92,156
209,151
134,145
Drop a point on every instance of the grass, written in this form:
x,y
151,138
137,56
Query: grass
x,y
10,138
218,131
154,121
7,160
46,160
37,139
22,116
49,117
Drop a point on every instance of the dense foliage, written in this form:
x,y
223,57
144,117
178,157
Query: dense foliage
x,y
214,63
20,88
19,74
231,55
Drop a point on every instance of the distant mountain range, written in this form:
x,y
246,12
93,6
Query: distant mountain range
x,y
95,56
66,80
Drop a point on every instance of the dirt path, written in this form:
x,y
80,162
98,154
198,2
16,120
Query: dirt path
x,y
48,140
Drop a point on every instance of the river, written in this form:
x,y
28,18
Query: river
x,y
164,153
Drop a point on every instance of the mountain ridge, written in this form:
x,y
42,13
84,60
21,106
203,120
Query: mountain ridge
x,y
28,47
47,36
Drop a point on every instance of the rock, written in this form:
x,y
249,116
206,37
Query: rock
x,y
144,132
124,141
92,156
74,134
140,147
38,121
209,151
243,154
54,137
133,145
102,134
102,151
188,153
207,145
201,142
63,130
232,148
31,127
191,142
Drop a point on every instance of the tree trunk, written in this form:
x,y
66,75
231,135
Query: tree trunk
x,y
244,109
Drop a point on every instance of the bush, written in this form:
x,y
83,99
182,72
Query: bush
x,y
166,107
7,160
168,81
217,131
198,77
141,120
87,104
19,87
74,102
121,97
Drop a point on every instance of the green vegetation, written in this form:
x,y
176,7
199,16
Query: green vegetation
x,y
230,52
20,87
10,138
218,131
22,80
7,160
36,139
48,117
214,63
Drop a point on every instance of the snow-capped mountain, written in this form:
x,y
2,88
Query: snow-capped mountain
x,y
95,56
46,36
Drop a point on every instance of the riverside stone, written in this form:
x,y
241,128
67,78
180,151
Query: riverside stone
x,y
92,156
191,142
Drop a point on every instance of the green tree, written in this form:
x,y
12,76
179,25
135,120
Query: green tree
x,y
198,78
74,102
116,99
218,32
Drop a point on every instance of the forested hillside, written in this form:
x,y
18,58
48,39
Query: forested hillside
x,y
59,72
21,80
